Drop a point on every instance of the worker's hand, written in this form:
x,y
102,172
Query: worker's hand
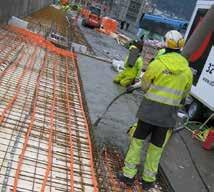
x,y
145,85
137,80
130,89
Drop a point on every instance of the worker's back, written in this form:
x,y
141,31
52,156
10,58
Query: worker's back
x,y
172,78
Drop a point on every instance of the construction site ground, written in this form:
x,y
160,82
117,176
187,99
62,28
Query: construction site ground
x,y
103,45
178,168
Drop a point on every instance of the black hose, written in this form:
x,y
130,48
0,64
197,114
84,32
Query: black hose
x,y
129,90
107,108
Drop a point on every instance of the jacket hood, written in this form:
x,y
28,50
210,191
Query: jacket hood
x,y
174,62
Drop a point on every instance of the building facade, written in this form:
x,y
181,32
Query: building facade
x,y
130,10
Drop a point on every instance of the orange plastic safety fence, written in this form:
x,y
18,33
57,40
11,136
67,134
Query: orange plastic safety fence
x,y
51,129
41,41
109,25
27,135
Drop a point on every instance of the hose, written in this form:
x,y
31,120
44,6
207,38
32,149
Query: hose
x,y
129,90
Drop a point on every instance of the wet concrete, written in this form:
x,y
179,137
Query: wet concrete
x,y
99,91
176,162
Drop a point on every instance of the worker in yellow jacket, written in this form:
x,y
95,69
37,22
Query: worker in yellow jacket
x,y
166,83
133,66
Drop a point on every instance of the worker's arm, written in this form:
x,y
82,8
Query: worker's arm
x,y
139,67
126,62
152,72
188,85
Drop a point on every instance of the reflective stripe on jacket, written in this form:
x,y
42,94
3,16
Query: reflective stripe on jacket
x,y
170,79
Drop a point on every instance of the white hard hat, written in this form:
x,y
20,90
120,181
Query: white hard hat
x,y
174,40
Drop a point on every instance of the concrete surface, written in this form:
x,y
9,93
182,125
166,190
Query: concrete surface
x,y
99,91
180,169
20,8
103,45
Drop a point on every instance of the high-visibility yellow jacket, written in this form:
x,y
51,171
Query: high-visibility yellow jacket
x,y
137,68
169,78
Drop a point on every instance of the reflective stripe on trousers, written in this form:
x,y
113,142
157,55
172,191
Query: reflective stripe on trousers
x,y
153,156
133,157
148,173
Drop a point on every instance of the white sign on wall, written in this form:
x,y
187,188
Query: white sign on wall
x,y
204,90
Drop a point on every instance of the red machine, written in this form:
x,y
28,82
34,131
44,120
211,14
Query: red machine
x,y
93,19
209,140
64,2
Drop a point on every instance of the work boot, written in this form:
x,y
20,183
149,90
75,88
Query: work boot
x,y
147,185
128,181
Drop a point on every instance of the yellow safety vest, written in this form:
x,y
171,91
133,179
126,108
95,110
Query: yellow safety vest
x,y
170,78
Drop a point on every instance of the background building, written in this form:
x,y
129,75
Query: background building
x,y
131,10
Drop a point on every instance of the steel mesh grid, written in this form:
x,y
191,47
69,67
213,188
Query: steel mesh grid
x,y
36,91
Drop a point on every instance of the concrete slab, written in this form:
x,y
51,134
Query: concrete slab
x,y
99,91
180,169
18,22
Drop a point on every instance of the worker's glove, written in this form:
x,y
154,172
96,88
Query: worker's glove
x,y
136,80
130,89
131,130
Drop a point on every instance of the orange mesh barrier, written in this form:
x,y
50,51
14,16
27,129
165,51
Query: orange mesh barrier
x,y
43,99
41,41
64,2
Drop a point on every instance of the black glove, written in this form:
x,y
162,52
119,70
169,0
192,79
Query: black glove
x,y
137,80
130,89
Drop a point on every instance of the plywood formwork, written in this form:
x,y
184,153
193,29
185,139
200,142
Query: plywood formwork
x,y
44,136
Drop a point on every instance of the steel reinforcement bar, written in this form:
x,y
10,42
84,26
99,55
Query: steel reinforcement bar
x,y
44,135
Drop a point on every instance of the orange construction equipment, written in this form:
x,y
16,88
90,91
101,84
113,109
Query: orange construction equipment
x,y
209,142
64,2
92,18
85,12
108,25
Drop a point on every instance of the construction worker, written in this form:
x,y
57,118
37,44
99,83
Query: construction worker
x,y
133,66
166,83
